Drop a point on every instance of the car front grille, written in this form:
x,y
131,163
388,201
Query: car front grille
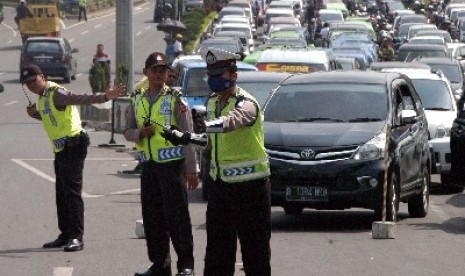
x,y
317,153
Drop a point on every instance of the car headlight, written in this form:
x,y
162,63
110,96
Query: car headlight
x,y
442,131
373,149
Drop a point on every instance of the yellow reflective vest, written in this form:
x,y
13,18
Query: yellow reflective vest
x,y
156,148
58,124
239,155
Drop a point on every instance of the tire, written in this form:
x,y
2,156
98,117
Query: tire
x,y
449,186
392,201
293,210
418,204
73,77
67,77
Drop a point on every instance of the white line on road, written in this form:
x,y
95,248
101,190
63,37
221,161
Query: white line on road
x,y
44,175
10,103
71,39
125,192
97,26
62,271
9,27
148,27
139,33
84,32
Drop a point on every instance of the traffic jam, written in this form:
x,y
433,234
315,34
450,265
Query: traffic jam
x,y
362,80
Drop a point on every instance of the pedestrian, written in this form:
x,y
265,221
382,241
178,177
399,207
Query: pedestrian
x,y
165,169
83,9
57,110
178,49
239,197
100,56
171,76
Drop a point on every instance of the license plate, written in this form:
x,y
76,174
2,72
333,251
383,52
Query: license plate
x,y
43,60
306,193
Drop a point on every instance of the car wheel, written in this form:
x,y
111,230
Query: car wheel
x,y
67,77
449,186
392,202
73,77
419,203
293,210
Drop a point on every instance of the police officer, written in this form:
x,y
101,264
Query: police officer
x,y
60,117
239,197
165,169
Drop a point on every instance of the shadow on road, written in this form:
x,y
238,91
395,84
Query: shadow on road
x,y
11,48
325,221
11,253
453,225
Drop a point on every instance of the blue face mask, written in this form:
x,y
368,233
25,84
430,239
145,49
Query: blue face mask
x,y
219,84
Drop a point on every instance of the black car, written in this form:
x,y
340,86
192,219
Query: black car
x,y
326,135
53,55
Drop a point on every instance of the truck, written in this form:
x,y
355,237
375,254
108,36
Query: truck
x,y
44,22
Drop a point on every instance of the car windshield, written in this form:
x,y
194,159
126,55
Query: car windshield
x,y
335,102
260,90
434,94
197,83
412,54
452,72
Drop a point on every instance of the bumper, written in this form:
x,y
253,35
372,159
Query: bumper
x,y
441,152
349,183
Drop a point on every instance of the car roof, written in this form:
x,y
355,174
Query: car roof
x,y
438,60
294,55
41,38
373,77
195,61
262,76
422,47
398,64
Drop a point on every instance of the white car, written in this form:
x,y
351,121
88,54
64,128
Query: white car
x,y
440,108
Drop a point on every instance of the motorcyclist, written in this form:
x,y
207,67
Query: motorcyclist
x,y
22,11
386,51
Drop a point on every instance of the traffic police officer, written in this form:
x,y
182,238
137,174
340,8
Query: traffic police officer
x,y
165,169
60,117
239,197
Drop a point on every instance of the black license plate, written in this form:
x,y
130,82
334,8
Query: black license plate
x,y
43,60
306,193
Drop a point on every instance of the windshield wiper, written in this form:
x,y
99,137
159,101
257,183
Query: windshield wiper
x,y
437,108
365,119
318,119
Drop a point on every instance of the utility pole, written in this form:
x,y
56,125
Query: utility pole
x,y
125,38
124,52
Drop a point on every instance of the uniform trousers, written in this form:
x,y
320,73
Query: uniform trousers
x,y
238,210
165,213
69,166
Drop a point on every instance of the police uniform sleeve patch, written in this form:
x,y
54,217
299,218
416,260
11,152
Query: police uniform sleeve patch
x,y
63,91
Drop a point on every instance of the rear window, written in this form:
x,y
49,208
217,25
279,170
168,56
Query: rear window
x,y
411,55
434,94
343,102
43,47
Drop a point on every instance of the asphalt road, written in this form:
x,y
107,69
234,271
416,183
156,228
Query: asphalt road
x,y
323,243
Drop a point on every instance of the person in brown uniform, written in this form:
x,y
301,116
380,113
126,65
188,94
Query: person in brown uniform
x,y
57,110
166,168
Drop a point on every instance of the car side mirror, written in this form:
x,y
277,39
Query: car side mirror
x,y
1,88
408,116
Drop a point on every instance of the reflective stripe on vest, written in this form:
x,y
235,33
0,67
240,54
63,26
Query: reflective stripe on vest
x,y
58,124
156,148
238,162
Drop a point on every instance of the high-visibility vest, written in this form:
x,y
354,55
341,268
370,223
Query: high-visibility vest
x,y
156,148
239,155
82,3
58,124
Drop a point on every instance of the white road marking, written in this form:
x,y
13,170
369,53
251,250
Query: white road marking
x,y
62,271
148,27
44,175
84,32
139,33
97,26
125,192
71,39
10,28
10,103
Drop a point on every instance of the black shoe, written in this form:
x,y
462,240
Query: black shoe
x,y
74,245
185,272
154,271
56,243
